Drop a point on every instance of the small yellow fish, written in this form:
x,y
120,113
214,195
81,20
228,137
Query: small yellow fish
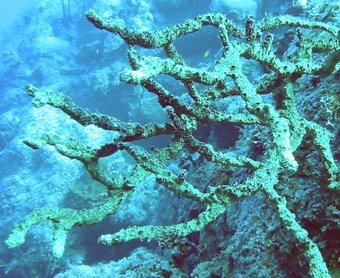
x,y
206,53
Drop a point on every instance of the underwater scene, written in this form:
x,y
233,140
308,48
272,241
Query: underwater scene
x,y
169,138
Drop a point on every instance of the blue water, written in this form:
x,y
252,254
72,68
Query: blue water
x,y
11,12
51,45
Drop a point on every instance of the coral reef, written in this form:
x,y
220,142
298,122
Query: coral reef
x,y
132,266
269,107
